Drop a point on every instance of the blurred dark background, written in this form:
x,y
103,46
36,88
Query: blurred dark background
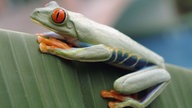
x,y
164,26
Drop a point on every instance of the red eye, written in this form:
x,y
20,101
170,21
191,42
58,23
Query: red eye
x,y
58,15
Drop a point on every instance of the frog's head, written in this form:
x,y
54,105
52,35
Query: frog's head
x,y
54,18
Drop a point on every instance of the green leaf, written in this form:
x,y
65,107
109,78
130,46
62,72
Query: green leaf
x,y
30,79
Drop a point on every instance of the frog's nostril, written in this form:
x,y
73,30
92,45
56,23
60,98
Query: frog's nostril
x,y
36,11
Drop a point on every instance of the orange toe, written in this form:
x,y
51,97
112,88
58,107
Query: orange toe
x,y
112,94
111,104
39,39
43,47
59,44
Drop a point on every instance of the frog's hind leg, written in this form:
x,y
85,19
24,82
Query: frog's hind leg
x,y
137,103
152,79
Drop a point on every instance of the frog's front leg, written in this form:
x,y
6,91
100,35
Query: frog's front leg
x,y
94,53
154,78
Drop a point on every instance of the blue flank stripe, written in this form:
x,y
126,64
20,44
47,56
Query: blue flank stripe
x,y
113,56
120,56
130,61
127,60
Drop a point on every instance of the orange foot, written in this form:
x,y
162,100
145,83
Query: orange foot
x,y
112,94
50,44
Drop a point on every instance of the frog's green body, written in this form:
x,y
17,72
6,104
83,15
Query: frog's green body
x,y
99,43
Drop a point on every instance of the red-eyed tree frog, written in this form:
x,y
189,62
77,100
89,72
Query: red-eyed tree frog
x,y
87,41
